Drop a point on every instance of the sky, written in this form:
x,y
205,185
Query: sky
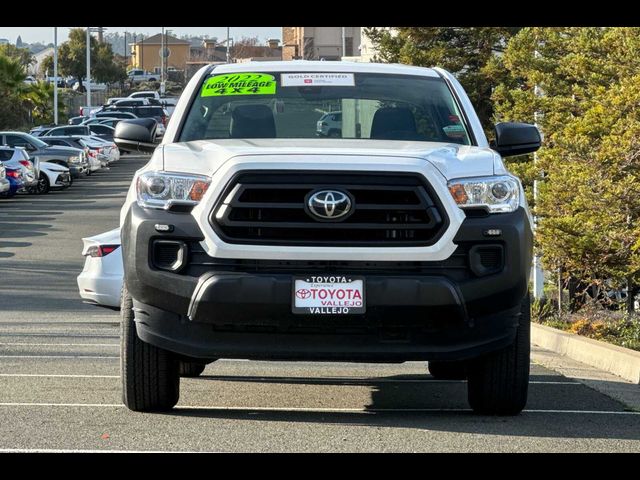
x,y
45,34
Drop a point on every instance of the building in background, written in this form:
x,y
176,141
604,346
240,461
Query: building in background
x,y
315,43
145,54
367,52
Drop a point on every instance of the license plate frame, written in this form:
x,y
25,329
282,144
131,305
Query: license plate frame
x,y
332,304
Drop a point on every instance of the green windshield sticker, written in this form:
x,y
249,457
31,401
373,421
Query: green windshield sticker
x,y
239,84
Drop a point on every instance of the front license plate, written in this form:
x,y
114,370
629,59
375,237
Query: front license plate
x,y
328,295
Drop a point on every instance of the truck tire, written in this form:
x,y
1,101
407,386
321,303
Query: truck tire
x,y
498,382
150,375
191,369
448,370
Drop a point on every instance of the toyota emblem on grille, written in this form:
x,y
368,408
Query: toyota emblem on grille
x,y
329,204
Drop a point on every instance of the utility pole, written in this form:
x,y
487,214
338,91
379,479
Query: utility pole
x,y
538,274
228,51
55,75
125,49
88,87
162,57
344,42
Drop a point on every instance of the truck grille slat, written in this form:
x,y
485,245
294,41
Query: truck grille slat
x,y
268,208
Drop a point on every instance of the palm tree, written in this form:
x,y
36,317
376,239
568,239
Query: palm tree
x,y
12,76
38,98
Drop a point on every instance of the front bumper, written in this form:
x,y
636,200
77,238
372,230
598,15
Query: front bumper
x,y
77,170
242,309
62,181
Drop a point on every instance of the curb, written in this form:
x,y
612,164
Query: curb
x,y
618,360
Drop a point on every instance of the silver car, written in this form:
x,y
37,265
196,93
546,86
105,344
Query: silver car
x,y
72,158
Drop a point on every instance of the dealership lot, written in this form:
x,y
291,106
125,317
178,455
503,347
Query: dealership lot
x,y
60,386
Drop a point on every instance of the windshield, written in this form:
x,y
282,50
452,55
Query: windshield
x,y
325,105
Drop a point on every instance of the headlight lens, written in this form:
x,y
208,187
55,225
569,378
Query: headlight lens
x,y
498,194
162,189
74,159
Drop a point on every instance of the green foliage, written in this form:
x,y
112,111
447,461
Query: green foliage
x,y
46,66
12,87
22,55
38,98
73,59
467,52
588,107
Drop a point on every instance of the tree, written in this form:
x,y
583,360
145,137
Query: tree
x,y
72,58
38,98
12,85
588,110
467,52
46,66
22,55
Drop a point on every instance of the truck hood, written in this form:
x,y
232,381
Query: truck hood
x,y
451,160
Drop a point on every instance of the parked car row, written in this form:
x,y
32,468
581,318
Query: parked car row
x,y
32,164
145,104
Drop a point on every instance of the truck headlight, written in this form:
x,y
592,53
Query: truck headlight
x,y
498,194
162,189
75,159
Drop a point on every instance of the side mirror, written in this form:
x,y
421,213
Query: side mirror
x,y
516,138
136,135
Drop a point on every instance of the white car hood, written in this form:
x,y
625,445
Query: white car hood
x,y
451,160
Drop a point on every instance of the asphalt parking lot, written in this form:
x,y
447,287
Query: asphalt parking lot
x,y
60,386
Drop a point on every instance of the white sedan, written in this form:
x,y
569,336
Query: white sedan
x,y
101,279
52,176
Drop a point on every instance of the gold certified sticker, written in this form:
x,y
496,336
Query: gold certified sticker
x,y
239,84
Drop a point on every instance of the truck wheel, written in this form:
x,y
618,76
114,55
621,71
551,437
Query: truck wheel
x,y
448,370
191,369
150,375
498,382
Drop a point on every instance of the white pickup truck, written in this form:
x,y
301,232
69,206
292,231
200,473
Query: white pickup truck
x,y
139,76
402,238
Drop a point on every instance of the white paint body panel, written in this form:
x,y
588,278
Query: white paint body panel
x,y
221,159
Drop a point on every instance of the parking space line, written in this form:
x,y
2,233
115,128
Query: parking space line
x,y
55,376
302,379
60,356
315,409
106,450
62,344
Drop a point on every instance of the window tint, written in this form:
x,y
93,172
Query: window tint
x,y
6,155
101,129
16,141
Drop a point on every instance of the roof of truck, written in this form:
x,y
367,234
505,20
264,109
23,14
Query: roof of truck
x,y
326,66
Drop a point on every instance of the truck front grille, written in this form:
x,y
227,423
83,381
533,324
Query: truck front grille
x,y
270,208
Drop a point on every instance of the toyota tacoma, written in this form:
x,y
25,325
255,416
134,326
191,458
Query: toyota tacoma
x,y
402,238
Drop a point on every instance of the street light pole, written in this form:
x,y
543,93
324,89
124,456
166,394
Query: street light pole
x,y
162,57
228,51
55,75
88,87
344,42
538,273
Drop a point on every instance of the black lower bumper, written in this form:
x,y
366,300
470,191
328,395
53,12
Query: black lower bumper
x,y
76,171
226,309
